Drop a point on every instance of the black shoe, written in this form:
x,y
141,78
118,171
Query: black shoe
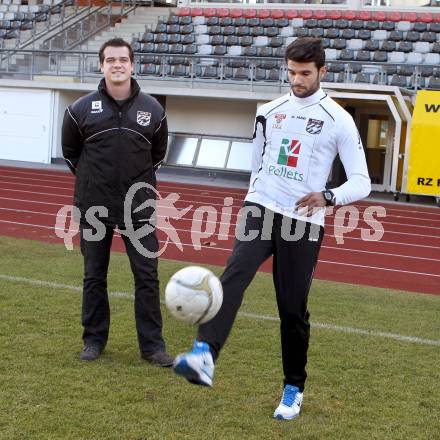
x,y
160,358
90,353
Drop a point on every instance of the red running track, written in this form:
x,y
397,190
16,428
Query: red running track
x,y
406,257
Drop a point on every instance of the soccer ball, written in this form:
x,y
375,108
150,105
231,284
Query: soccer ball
x,y
194,295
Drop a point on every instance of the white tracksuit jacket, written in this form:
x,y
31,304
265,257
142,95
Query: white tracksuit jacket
x,y
295,143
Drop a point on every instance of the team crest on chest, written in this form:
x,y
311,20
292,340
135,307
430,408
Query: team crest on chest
x,y
314,126
143,118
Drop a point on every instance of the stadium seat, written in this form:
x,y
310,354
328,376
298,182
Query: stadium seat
x,y
326,23
200,29
434,27
268,22
430,37
219,50
278,42
339,43
147,47
273,75
161,28
433,83
405,46
388,26
335,15
389,46
332,33
317,33
436,47
176,48
287,31
277,14
311,23
264,51
362,78
354,67
199,20
297,22
394,16
363,55
147,37
390,70
263,13
281,22
202,39
236,13
249,13
301,32
235,51
425,17
395,36
348,34
232,40
214,29
419,26
380,56
396,57
162,48
279,52
268,64
349,15
226,21
185,20
331,54
179,70
246,41
426,71
412,36
260,74
209,72
241,73
183,12
414,58
250,51
306,14
174,61
325,42
217,39
229,30
398,80
328,77
261,41
404,26
188,39
380,35
409,16
239,21
372,45
243,31
355,44
336,67
357,24
346,55
209,12
196,12
190,49
161,38
432,58
364,34
406,70
379,16
187,29
257,31
341,23
172,19
148,69
372,25
271,31
422,47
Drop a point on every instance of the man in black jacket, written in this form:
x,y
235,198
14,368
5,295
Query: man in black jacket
x,y
112,139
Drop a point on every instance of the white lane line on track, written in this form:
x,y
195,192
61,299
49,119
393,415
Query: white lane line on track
x,y
216,248
223,191
320,325
233,236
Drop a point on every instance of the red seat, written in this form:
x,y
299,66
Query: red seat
x,y
349,15
394,16
250,13
437,18
306,14
196,11
223,12
365,15
210,12
320,14
292,13
379,16
236,12
263,13
409,16
277,13
335,15
184,12
425,17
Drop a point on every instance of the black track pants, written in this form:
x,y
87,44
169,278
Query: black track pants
x,y
95,308
294,262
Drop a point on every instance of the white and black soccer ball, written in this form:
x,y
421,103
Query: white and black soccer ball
x,y
194,295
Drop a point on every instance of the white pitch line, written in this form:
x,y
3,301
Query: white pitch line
x,y
338,328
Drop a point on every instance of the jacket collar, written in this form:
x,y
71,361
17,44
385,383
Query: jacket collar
x,y
312,99
135,89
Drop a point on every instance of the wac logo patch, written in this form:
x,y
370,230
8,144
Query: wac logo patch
x,y
289,152
314,126
143,118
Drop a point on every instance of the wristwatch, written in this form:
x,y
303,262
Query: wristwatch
x,y
329,197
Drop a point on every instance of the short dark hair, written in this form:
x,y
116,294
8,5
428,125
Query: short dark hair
x,y
116,42
306,50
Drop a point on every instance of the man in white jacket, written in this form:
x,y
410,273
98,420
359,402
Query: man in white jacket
x,y
296,139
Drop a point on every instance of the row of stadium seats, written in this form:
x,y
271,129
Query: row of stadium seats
x,y
185,70
319,14
174,21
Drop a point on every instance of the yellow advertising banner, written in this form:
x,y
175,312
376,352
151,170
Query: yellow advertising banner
x,y
424,150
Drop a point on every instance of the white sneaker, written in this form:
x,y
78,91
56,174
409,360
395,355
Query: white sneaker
x,y
290,405
196,366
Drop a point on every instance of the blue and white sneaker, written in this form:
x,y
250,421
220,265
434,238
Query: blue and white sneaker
x,y
290,405
196,366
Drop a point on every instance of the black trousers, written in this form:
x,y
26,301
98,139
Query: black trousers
x,y
294,263
95,307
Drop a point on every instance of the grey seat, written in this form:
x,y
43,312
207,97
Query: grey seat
x,y
364,34
336,67
279,52
147,47
176,48
162,48
273,75
209,72
412,36
341,23
325,23
226,21
271,31
213,21
250,51
173,61
232,40
268,64
317,32
217,39
277,42
238,62
241,73
372,45
179,70
380,56
219,50
406,70
257,31
173,29
348,34
434,27
229,30
264,52
325,42
174,38
389,46
253,22
148,69
260,74
362,78
239,21
430,37
388,26
214,30
243,30
161,38
188,39
147,37
357,24
332,33
436,47
301,32
372,25
363,55
390,70
329,77
355,67
187,29
172,19
398,80
433,83
346,55
395,36
405,46
161,28
190,49
281,22
426,71
268,22
339,43
419,26
311,23
185,20
246,41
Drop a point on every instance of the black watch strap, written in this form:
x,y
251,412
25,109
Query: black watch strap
x,y
329,197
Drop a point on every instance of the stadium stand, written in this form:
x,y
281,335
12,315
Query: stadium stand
x,y
360,43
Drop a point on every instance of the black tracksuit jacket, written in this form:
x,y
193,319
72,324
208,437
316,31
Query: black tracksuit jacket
x,y
109,147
